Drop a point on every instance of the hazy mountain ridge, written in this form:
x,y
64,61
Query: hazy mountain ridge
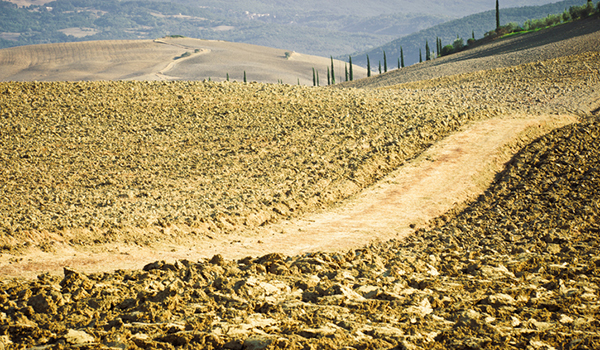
x,y
319,28
371,8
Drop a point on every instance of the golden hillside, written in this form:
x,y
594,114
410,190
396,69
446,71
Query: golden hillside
x,y
163,59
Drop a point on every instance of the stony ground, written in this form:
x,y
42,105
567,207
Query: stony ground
x,y
104,157
213,156
518,268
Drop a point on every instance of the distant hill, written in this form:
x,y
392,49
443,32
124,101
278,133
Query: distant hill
x,y
478,24
313,27
163,59
361,8
395,24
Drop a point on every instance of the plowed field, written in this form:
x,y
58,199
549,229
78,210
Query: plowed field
x,y
90,165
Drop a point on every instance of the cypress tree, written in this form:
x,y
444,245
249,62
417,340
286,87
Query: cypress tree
x,y
318,83
427,53
473,34
497,15
227,76
332,72
245,81
351,70
420,56
379,67
346,67
384,63
401,57
368,67
314,77
298,81
398,62
328,77
438,47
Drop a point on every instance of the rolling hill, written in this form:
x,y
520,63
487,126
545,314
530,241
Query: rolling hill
x,y
564,40
163,59
475,24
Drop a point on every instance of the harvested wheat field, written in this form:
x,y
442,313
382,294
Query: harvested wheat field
x,y
113,169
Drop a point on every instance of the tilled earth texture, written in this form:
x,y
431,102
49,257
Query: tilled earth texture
x,y
517,269
87,163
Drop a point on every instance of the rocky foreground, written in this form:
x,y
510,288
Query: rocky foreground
x,y
517,269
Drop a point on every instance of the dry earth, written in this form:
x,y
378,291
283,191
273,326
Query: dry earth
x,y
446,175
100,164
517,269
162,59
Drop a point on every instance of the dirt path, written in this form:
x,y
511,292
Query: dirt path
x,y
162,74
456,169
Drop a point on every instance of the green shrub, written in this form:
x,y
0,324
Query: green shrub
x,y
471,41
552,20
514,27
503,30
490,33
447,50
566,16
589,9
583,11
458,44
185,54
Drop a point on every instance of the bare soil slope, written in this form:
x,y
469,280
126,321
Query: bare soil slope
x,y
564,40
161,59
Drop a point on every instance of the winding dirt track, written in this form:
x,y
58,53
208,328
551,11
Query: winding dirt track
x,y
451,172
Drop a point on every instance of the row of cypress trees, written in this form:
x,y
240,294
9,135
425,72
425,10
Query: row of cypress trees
x,y
385,64
349,70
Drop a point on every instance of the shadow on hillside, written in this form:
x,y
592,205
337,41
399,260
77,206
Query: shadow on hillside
x,y
529,41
